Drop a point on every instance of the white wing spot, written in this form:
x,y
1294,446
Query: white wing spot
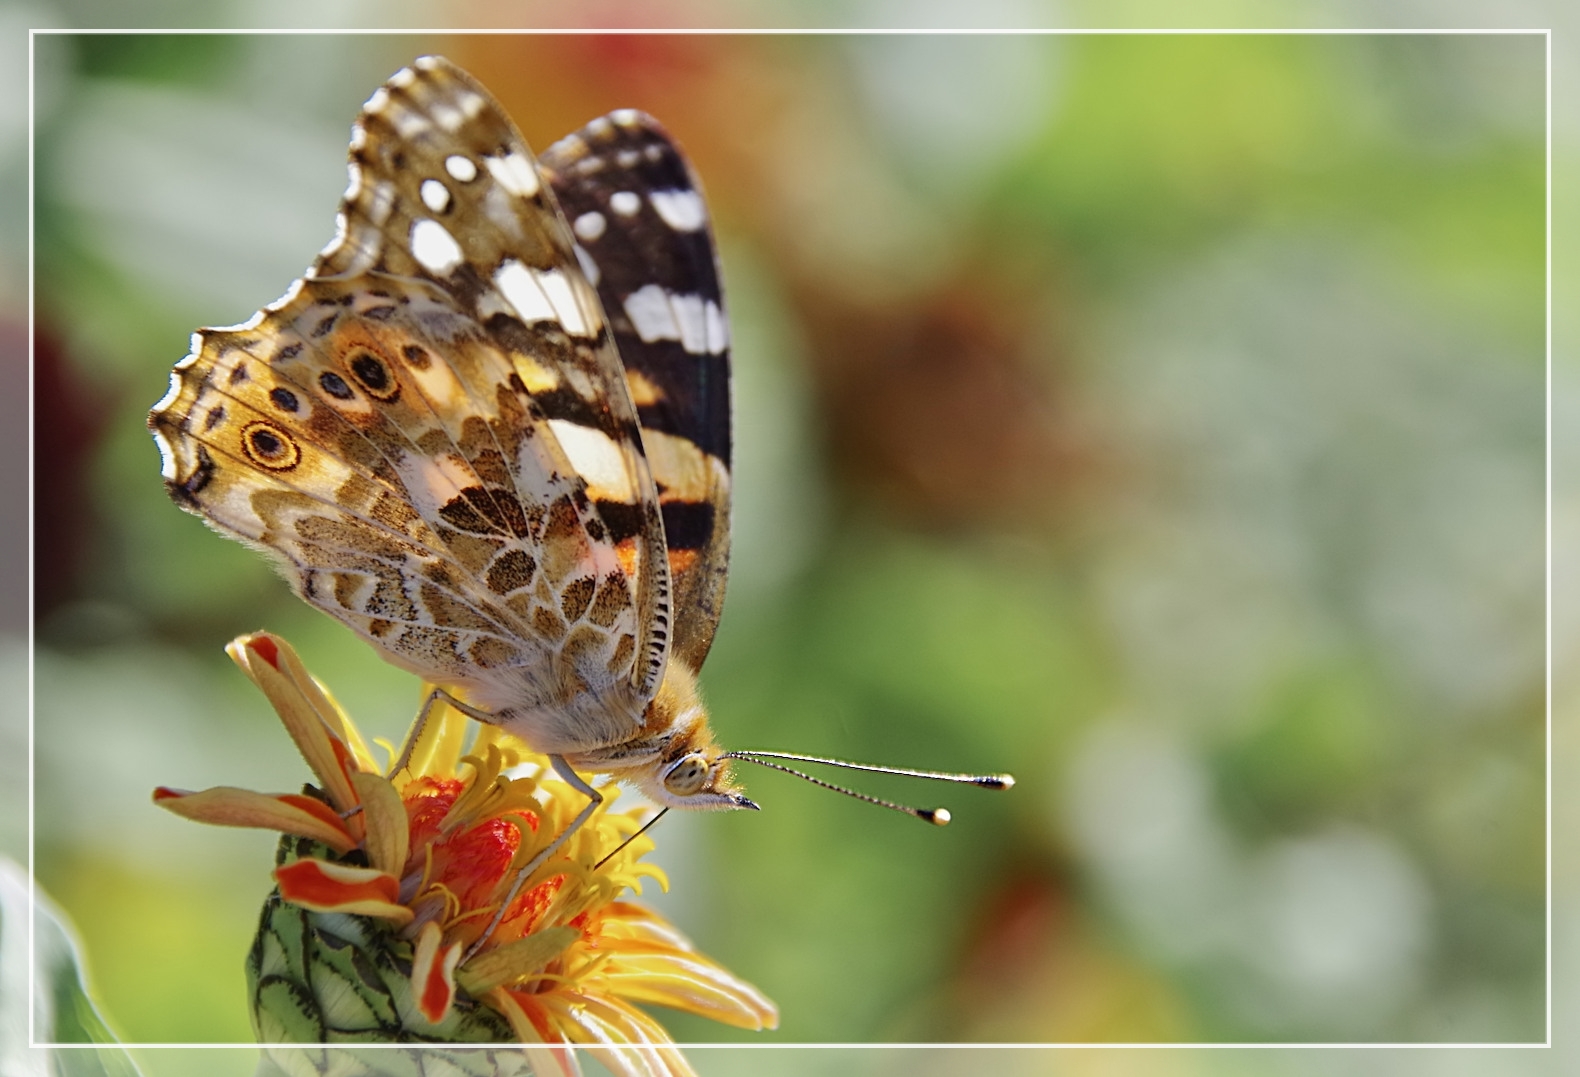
x,y
515,282
562,296
650,313
435,248
597,459
718,329
681,210
627,158
435,196
514,173
542,296
625,203
589,226
626,117
460,168
449,117
693,323
378,101
660,315
409,124
403,78
380,201
471,104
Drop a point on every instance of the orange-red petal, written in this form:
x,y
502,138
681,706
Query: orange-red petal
x,y
328,887
308,715
433,972
289,813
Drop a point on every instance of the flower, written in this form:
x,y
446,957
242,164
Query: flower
x,y
391,882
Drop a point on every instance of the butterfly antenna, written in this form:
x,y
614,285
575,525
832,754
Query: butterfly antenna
x,y
936,816
661,813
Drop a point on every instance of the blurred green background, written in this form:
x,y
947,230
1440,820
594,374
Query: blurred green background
x,y
1159,418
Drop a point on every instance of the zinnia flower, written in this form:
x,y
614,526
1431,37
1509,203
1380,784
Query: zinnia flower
x,y
387,882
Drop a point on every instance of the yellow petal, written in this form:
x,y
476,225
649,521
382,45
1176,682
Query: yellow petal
x,y
627,1041
347,730
546,1057
688,981
289,814
628,920
438,746
654,962
388,831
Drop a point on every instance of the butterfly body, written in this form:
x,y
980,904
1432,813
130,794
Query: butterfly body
x,y
442,439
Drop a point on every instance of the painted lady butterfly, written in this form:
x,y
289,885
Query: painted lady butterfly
x,y
489,430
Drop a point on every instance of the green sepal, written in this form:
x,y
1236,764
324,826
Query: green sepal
x,y
334,978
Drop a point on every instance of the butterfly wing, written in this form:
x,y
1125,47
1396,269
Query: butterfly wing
x,y
637,211
461,477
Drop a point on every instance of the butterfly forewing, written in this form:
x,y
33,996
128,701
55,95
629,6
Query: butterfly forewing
x,y
444,187
459,475
637,212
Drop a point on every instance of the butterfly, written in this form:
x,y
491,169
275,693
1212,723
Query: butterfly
x,y
489,430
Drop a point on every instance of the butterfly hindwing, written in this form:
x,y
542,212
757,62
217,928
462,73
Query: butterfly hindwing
x,y
641,223
326,435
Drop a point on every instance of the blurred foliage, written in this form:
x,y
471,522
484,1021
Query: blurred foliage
x,y
1158,418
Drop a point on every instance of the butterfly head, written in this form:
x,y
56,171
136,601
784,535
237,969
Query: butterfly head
x,y
697,779
690,770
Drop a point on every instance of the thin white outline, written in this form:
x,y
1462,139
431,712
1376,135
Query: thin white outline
x,y
1547,35
32,756
1548,694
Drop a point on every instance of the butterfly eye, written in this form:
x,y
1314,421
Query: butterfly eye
x,y
687,776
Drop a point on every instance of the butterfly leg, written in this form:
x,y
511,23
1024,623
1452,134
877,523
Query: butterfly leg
x,y
594,798
421,725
